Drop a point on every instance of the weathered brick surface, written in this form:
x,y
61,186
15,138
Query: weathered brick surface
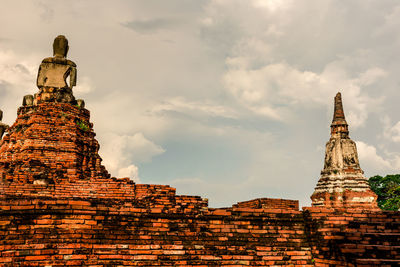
x,y
275,203
40,231
44,231
354,237
53,142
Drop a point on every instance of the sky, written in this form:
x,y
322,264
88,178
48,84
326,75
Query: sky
x,y
229,100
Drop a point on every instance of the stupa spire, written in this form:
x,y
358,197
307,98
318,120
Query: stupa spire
x,y
339,126
338,113
342,182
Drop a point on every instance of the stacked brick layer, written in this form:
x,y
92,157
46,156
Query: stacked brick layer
x,y
265,203
50,143
354,237
42,231
83,232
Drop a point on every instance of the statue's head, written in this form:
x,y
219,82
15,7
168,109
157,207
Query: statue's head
x,y
60,46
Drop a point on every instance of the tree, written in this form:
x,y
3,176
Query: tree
x,y
388,190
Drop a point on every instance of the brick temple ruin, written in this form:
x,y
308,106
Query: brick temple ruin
x,y
59,205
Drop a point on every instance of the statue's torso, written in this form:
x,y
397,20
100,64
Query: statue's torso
x,y
53,72
53,75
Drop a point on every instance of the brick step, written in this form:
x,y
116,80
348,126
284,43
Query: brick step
x,y
368,251
370,226
386,239
377,262
373,238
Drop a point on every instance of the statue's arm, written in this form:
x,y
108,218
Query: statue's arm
x,y
40,78
72,76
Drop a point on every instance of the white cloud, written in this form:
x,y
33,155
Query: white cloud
x,y
272,5
84,86
277,88
369,157
121,152
205,108
371,75
131,171
16,71
391,132
395,132
276,64
17,78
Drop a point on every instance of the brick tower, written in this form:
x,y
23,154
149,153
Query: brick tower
x,y
52,141
51,150
342,182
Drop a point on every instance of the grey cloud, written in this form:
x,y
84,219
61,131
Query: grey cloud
x,y
22,69
46,11
150,25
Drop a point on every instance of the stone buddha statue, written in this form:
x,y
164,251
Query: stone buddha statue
x,y
53,74
3,127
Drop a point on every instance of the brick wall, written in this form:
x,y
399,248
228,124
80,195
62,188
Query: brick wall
x,y
58,232
275,203
44,231
353,237
50,143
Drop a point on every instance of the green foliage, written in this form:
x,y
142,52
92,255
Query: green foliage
x,y
82,125
388,190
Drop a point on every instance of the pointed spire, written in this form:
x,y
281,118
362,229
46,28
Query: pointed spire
x,y
338,113
342,182
339,127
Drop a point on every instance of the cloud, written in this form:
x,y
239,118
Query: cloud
x,y
274,66
14,70
368,157
275,89
272,5
373,163
84,86
150,25
391,132
131,171
17,78
4,40
46,12
121,152
195,108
